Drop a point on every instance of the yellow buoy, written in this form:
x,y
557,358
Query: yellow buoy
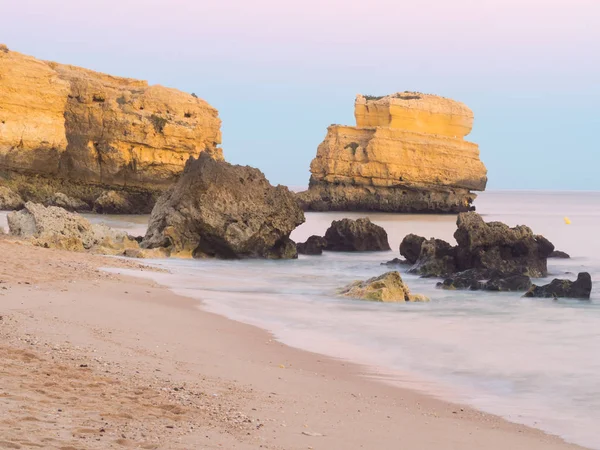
x,y
567,221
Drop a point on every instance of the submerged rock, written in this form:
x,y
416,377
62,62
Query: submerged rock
x,y
493,246
486,280
407,153
54,227
559,254
217,209
388,287
359,235
557,288
314,245
396,262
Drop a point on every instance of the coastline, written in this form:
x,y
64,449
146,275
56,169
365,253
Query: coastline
x,y
153,370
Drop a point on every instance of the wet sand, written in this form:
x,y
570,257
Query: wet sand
x,y
92,360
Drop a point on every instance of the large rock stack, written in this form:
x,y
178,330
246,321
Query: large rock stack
x,y
407,153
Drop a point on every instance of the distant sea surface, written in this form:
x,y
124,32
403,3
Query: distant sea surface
x,y
532,361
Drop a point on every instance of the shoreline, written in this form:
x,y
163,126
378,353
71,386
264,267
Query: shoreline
x,y
137,333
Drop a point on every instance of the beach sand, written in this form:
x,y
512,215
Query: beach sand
x,y
93,360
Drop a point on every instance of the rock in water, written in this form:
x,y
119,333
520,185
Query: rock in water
x,y
580,288
54,227
220,210
314,245
486,280
407,153
388,287
492,246
410,247
359,235
559,254
81,132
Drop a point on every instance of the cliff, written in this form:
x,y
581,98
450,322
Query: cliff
x,y
406,154
83,133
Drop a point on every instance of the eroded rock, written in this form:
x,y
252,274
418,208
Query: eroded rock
x,y
559,254
407,153
54,227
314,245
80,132
388,287
221,210
557,288
112,202
69,203
359,235
9,199
482,245
486,280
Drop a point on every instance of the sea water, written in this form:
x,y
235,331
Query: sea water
x,y
532,361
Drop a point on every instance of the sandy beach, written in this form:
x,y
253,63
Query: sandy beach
x,y
93,360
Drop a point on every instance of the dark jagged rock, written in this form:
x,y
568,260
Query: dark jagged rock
x,y
481,245
486,280
437,259
359,235
580,288
314,245
410,247
559,254
396,262
217,209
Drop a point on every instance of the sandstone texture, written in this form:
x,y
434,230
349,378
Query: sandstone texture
x,y
580,288
72,130
54,227
388,287
407,153
492,246
217,209
359,235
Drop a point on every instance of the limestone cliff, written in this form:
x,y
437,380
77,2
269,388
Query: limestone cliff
x,y
82,132
406,154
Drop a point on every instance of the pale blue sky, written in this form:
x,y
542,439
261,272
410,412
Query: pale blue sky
x,y
280,72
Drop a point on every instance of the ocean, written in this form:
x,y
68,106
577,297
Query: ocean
x,y
532,361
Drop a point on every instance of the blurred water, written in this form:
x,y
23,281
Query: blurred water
x,y
533,361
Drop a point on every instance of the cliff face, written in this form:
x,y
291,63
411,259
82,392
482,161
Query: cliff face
x,y
406,154
95,132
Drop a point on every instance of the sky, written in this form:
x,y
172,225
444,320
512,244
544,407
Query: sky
x,y
281,71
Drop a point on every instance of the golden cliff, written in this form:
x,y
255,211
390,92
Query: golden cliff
x,y
94,137
406,154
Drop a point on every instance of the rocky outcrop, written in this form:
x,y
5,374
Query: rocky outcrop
x,y
54,227
314,245
359,235
9,199
70,204
71,130
491,246
486,280
407,153
580,288
388,287
220,210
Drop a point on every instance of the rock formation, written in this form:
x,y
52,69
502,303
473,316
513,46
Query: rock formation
x,y
314,245
71,130
359,235
54,227
580,288
388,287
492,246
486,280
407,153
220,210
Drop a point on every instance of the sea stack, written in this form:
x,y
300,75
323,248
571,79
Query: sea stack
x,y
407,153
69,130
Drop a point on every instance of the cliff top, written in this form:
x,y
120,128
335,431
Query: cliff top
x,y
417,100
